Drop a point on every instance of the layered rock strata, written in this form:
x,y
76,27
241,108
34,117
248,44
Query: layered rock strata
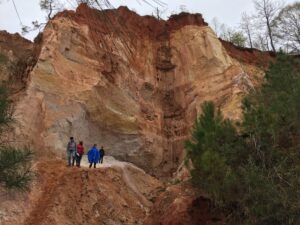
x,y
132,84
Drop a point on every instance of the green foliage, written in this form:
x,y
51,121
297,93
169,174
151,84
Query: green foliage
x,y
15,168
3,59
272,116
15,164
252,173
5,109
238,39
215,152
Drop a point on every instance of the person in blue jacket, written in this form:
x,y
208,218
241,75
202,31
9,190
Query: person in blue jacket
x,y
93,156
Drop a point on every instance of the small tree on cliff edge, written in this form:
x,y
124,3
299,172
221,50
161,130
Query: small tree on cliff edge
x,y
15,164
253,174
247,27
267,11
288,29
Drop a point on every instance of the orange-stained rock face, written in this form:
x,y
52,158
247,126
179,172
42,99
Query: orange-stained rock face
x,y
132,84
17,57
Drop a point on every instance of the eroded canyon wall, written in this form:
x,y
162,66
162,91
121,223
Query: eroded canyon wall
x,y
17,57
132,84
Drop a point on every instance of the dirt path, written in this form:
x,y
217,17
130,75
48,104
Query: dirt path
x,y
115,193
124,167
50,183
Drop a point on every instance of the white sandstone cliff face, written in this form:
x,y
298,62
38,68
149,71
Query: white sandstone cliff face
x,y
139,106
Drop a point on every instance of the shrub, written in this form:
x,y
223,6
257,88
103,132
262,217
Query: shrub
x,y
3,59
5,109
15,164
15,168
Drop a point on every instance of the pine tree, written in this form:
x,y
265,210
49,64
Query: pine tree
x,y
15,164
251,172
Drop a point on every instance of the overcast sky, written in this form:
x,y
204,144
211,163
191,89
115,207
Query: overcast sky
x,y
227,11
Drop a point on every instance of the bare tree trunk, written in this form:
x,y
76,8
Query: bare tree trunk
x,y
250,38
267,43
247,26
270,35
50,9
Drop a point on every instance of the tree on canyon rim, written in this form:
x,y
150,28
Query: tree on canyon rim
x,y
229,34
273,26
53,6
273,23
267,11
288,27
247,27
15,164
251,170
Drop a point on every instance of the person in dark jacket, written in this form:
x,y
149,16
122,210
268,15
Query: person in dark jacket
x,y
102,153
79,154
71,151
93,156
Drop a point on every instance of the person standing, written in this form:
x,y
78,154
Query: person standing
x,y
79,154
102,153
71,151
93,156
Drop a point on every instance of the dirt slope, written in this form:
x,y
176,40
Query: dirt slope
x,y
181,205
112,194
117,193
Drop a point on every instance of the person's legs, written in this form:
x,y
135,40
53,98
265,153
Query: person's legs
x,y
79,160
90,165
69,158
101,161
95,165
76,160
73,157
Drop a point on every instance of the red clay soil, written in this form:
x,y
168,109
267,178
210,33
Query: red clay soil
x,y
99,196
180,205
249,55
129,25
14,42
82,196
50,175
21,56
124,21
